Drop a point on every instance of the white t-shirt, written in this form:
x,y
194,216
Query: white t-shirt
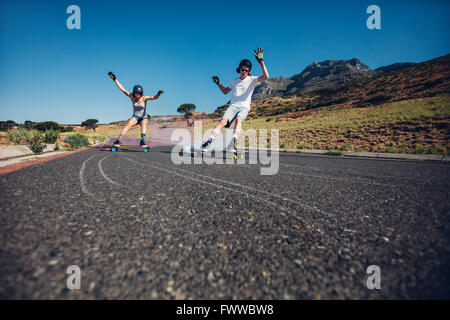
x,y
242,91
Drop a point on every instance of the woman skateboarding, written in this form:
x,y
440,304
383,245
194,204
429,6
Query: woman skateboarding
x,y
139,102
242,88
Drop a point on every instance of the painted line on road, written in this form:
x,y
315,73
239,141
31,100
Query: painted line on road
x,y
82,182
305,206
103,173
210,183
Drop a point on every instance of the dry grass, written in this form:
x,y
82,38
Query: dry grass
x,y
414,126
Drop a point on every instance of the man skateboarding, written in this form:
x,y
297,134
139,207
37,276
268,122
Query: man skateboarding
x,y
242,88
140,117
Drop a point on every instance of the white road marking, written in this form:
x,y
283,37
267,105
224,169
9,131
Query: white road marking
x,y
327,177
82,182
305,206
210,183
103,173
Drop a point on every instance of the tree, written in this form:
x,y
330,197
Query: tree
x,y
187,109
47,125
28,124
90,124
188,116
6,125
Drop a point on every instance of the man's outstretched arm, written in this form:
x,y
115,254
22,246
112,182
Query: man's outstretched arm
x,y
221,87
259,56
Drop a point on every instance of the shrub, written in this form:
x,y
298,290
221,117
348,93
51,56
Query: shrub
x,y
51,136
35,142
77,141
57,147
345,147
47,125
334,152
67,129
390,149
6,125
20,136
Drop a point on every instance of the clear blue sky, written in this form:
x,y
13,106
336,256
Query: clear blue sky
x,y
48,72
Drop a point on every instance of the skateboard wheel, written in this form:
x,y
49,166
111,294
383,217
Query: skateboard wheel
x,y
146,150
113,149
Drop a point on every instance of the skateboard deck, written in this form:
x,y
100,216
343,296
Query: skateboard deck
x,y
116,148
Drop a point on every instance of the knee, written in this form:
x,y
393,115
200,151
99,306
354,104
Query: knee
x,y
223,122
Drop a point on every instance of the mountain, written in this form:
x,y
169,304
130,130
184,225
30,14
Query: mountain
x,y
316,76
394,66
419,80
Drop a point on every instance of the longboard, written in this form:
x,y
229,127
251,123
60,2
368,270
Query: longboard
x,y
116,148
202,152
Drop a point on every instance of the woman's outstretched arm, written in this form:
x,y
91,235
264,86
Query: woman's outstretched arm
x,y
112,76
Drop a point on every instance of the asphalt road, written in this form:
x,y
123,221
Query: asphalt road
x,y
140,227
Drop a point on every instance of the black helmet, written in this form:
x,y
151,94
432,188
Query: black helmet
x,y
245,63
138,89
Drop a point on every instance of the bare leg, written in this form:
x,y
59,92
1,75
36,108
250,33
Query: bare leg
x,y
144,124
129,125
238,125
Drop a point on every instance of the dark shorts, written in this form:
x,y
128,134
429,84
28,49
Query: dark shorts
x,y
139,119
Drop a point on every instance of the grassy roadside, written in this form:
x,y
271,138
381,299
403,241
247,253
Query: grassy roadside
x,y
410,126
420,126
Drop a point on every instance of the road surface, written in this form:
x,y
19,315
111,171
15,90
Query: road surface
x,y
140,227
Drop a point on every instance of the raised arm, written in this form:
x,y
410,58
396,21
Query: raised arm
x,y
160,92
259,56
221,87
112,76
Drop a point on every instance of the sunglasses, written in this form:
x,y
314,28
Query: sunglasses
x,y
246,70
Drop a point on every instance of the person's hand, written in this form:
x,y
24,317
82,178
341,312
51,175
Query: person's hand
x,y
216,80
160,92
259,54
112,76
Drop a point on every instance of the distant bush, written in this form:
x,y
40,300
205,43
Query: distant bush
x,y
51,136
20,136
378,99
67,129
35,142
47,125
57,147
6,125
77,141
333,152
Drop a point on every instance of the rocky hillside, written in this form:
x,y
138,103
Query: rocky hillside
x,y
394,66
317,75
426,79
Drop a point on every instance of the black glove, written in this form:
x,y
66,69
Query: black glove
x,y
111,75
216,79
259,54
160,92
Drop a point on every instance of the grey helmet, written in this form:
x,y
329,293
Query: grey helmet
x,y
138,89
